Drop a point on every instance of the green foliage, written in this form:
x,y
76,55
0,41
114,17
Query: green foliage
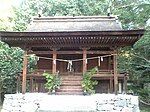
x,y
29,8
11,60
87,83
10,66
53,81
136,61
1,84
132,13
144,94
144,108
124,59
140,66
1,87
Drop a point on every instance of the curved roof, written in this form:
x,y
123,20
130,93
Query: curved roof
x,y
42,40
79,23
72,32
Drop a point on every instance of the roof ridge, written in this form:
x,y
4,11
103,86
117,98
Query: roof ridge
x,y
76,20
74,17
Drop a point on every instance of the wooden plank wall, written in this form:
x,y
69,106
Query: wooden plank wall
x,y
77,66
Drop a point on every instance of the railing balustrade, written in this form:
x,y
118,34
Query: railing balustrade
x,y
100,73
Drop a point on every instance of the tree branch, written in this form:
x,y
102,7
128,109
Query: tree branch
x,y
141,58
145,103
132,5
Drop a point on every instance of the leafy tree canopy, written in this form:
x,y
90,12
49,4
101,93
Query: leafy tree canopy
x,y
132,13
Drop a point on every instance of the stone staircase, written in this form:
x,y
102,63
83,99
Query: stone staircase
x,y
71,85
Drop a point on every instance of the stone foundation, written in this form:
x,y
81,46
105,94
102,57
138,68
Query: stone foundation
x,y
40,102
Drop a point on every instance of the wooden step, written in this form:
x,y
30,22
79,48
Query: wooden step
x,y
71,77
71,83
69,93
71,87
67,81
70,90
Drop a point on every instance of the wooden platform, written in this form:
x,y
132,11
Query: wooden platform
x,y
71,82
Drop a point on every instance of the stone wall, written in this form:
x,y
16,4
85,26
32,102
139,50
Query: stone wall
x,y
40,102
116,103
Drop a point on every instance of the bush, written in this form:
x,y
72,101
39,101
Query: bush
x,y
53,82
87,83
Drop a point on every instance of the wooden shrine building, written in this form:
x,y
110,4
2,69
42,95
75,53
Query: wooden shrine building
x,y
71,46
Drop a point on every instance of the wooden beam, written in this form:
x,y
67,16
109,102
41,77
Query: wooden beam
x,y
73,45
54,62
109,63
24,75
73,33
115,75
70,52
84,60
45,45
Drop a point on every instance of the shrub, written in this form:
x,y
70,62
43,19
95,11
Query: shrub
x,y
87,83
53,82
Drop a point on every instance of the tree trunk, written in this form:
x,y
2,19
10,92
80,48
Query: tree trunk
x,y
1,98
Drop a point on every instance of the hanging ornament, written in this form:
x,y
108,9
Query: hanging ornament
x,y
54,61
99,61
102,59
69,65
86,61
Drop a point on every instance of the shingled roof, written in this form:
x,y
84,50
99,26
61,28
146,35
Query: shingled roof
x,y
80,23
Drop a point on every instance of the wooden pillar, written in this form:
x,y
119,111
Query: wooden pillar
x,y
24,75
31,84
18,85
109,63
84,60
125,84
115,75
111,85
54,62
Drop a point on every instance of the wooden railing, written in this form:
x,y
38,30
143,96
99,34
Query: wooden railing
x,y
39,72
107,73
100,73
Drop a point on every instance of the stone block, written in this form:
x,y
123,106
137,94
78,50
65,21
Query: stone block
x,y
106,107
98,102
127,109
120,103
